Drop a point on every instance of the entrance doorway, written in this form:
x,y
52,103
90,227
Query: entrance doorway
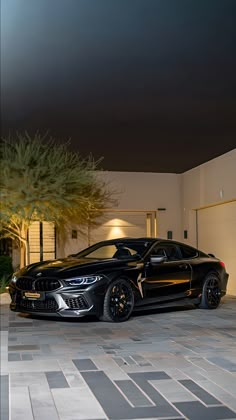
x,y
42,241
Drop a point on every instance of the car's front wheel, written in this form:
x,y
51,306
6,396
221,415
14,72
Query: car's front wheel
x,y
211,292
118,302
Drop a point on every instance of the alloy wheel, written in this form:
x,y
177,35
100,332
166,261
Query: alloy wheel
x,y
121,301
212,292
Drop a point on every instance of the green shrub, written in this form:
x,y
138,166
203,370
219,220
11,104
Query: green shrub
x,y
6,268
4,281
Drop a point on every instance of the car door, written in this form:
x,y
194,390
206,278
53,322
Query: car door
x,y
167,280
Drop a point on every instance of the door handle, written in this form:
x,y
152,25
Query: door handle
x,y
183,266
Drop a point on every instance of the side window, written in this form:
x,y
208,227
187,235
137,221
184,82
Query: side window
x,y
158,251
188,252
171,251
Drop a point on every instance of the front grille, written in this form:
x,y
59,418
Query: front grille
x,y
49,305
24,283
46,284
78,302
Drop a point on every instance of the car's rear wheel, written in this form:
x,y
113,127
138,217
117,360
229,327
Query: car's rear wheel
x,y
118,302
211,292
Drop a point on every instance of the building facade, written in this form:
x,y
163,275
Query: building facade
x,y
197,207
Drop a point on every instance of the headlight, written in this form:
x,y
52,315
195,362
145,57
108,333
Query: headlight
x,y
83,280
13,279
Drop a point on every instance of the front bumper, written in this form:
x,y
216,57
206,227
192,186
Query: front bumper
x,y
62,303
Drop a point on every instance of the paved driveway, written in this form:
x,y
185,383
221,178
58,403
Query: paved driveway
x,y
171,364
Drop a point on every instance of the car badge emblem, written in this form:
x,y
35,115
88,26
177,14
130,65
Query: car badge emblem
x,y
39,274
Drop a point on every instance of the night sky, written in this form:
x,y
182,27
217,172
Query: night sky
x,y
150,85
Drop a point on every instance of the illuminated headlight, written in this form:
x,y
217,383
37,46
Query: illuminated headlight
x,y
13,279
83,280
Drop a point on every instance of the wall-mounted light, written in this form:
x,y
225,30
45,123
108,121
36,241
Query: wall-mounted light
x,y
74,234
169,234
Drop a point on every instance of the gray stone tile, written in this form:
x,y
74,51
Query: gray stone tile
x,y
4,397
196,411
10,339
135,338
119,360
102,331
26,356
173,391
75,380
111,347
203,395
225,396
133,394
20,324
112,370
84,364
21,408
129,361
42,403
224,363
149,376
23,347
31,366
74,405
203,351
106,393
13,357
144,364
26,379
66,365
138,358
56,380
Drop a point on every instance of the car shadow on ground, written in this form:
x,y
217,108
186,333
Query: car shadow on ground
x,y
91,319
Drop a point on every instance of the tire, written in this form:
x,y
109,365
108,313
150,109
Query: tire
x,y
118,302
211,292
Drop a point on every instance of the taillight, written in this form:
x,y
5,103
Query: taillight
x,y
222,264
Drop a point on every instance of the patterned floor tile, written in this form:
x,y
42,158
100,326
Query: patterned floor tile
x,y
160,365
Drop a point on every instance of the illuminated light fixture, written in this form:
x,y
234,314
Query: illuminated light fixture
x,y
116,228
116,232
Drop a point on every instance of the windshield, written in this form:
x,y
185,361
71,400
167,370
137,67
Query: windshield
x,y
117,250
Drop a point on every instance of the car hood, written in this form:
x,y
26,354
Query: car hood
x,y
70,266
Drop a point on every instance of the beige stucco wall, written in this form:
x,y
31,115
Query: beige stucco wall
x,y
139,191
149,191
211,183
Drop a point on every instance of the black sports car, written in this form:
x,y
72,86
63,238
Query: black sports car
x,y
112,278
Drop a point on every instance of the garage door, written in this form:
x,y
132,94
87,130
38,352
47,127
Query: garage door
x,y
217,235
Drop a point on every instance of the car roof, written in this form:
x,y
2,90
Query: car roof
x,y
130,239
143,239
147,239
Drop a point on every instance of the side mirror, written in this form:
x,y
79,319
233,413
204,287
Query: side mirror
x,y
157,259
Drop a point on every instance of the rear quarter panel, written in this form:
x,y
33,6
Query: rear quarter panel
x,y
201,267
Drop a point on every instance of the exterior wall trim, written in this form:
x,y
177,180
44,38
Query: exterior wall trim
x,y
215,204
